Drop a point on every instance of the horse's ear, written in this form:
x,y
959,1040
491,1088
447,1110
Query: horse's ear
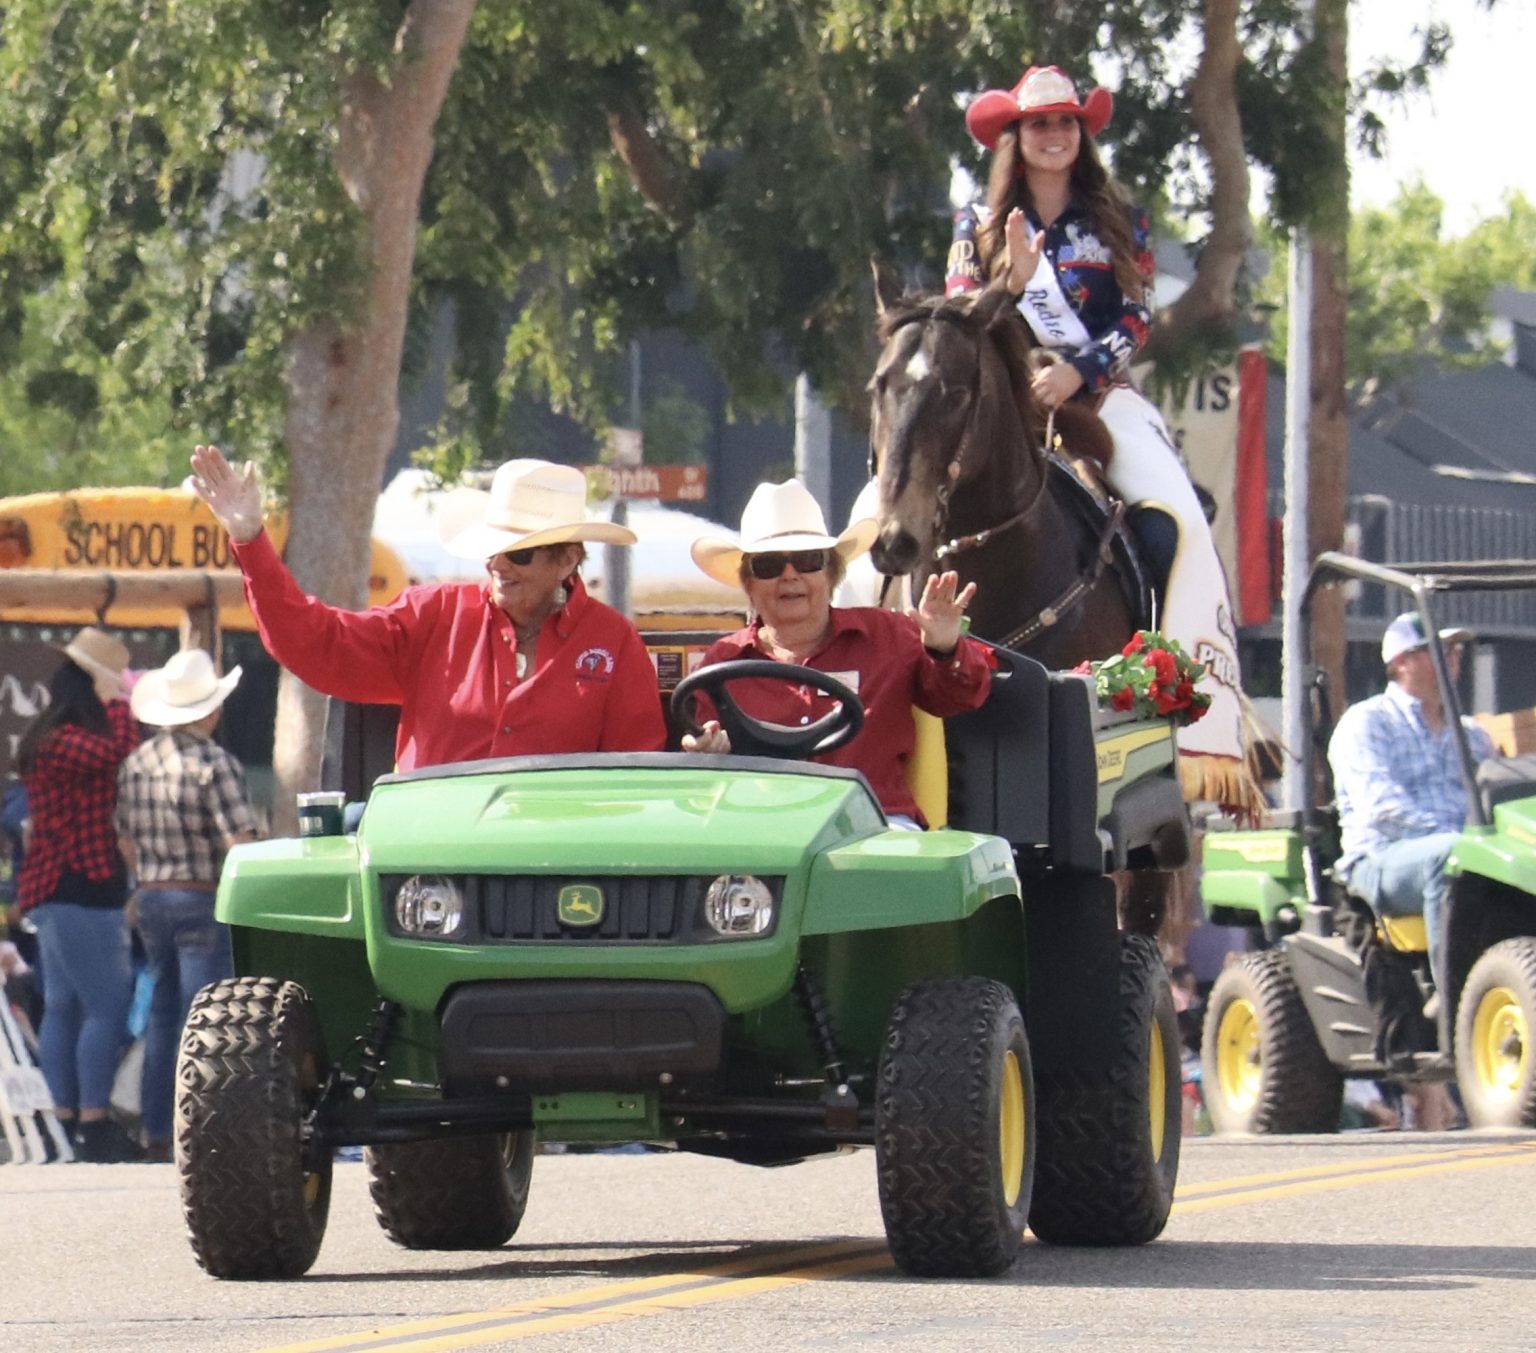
x,y
887,289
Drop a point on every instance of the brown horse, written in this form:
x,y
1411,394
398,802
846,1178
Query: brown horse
x,y
958,443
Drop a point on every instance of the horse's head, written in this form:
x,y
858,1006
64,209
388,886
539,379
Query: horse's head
x,y
939,387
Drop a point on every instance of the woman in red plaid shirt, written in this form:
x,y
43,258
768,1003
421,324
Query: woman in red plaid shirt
x,y
74,884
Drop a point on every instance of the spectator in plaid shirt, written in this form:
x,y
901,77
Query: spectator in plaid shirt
x,y
75,884
181,804
1397,778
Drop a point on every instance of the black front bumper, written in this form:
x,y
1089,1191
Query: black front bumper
x,y
541,1037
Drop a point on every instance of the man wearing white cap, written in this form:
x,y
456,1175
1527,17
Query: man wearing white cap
x,y
181,804
525,663
1397,778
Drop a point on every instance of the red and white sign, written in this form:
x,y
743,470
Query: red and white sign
x,y
662,483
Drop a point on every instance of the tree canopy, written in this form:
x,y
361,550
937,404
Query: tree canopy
x,y
172,212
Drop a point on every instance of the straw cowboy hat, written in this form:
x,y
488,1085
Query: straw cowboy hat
x,y
183,691
1044,89
532,502
97,653
779,517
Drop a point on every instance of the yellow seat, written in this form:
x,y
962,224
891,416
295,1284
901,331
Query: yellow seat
x,y
928,769
1404,933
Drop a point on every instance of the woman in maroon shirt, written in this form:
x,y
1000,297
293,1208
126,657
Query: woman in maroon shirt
x,y
74,885
788,565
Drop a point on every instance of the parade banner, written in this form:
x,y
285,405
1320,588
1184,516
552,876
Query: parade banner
x,y
1217,423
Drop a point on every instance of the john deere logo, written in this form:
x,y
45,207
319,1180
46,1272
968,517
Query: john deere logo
x,y
579,904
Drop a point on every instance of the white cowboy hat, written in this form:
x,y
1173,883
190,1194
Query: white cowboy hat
x,y
181,692
533,502
779,517
97,652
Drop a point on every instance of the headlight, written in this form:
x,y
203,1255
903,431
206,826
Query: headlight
x,y
429,905
738,905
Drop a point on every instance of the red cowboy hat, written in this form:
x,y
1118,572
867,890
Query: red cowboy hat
x,y
1044,89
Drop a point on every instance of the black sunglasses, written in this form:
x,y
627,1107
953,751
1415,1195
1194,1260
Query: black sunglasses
x,y
766,567
522,558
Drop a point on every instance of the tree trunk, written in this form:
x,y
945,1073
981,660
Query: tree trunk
x,y
1328,422
342,373
1210,299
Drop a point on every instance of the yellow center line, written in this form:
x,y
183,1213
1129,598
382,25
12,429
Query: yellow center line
x,y
752,1275
686,1288
1354,1179
1359,1168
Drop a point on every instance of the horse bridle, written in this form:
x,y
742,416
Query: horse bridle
x,y
1064,601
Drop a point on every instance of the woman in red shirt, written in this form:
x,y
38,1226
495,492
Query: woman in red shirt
x,y
74,885
788,565
525,663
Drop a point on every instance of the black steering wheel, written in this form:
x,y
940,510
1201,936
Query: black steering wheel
x,y
758,737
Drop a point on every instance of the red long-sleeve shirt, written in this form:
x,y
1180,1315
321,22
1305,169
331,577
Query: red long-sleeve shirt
x,y
879,654
71,797
447,655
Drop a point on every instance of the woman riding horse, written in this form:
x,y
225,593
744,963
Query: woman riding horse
x,y
1058,233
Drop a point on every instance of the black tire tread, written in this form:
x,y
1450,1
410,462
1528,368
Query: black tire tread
x,y
1097,1180
936,1129
453,1194
1300,1091
239,1106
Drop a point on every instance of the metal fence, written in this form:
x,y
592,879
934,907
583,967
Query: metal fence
x,y
1388,532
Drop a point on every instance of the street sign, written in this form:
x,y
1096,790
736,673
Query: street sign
x,y
660,483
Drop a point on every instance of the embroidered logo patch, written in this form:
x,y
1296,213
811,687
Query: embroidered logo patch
x,y
595,664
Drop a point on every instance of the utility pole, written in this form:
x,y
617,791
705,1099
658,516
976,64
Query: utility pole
x,y
616,557
813,444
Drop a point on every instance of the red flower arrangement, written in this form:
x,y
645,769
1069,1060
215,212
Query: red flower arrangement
x,y
1153,677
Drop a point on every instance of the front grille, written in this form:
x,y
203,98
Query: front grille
x,y
637,908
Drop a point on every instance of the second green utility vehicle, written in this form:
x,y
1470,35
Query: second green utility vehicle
x,y
1332,991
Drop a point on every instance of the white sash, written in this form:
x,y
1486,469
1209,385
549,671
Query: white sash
x,y
1045,307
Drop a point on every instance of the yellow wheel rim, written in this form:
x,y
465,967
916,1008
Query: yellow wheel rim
x,y
1012,1122
309,1083
1501,1045
1157,1092
1239,1063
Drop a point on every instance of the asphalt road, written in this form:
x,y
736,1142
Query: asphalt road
x,y
1395,1242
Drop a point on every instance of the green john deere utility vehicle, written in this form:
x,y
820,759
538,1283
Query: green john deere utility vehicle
x,y
1333,991
732,955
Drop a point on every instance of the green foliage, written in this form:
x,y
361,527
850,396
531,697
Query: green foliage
x,y
171,213
1415,295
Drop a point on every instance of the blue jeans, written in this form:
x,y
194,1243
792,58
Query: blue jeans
x,y
1406,878
185,949
90,985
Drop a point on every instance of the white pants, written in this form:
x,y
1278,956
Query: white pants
x,y
1197,611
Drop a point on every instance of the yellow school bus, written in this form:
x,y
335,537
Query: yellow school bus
x,y
133,531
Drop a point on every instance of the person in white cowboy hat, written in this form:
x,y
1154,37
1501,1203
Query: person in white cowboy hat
x,y
788,564
74,885
1060,233
525,663
1397,779
182,803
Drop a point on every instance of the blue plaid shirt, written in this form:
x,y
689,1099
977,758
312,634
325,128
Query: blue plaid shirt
x,y
1394,778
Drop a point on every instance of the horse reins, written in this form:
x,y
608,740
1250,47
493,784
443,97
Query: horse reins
x,y
1061,604
979,538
